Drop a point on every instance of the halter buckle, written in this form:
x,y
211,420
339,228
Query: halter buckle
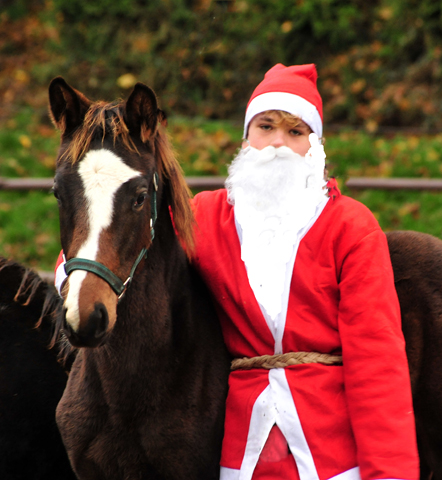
x,y
125,285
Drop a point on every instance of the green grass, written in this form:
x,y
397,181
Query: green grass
x,y
29,230
29,220
359,154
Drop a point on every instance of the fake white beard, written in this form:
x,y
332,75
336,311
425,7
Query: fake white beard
x,y
275,193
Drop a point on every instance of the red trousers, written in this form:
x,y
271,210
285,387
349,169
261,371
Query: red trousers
x,y
276,462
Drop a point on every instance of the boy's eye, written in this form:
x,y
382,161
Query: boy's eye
x,y
266,126
295,132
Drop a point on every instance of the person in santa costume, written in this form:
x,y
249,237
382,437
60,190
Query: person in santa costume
x,y
303,285
299,273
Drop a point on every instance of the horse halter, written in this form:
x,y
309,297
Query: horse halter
x,y
117,285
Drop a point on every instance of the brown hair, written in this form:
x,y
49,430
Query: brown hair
x,y
286,117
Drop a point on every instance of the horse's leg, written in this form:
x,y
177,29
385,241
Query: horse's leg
x,y
422,444
415,312
427,396
429,429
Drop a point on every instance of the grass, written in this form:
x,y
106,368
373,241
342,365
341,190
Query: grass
x,y
29,220
360,154
29,228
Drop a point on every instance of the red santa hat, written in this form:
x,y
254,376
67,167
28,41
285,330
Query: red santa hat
x,y
290,89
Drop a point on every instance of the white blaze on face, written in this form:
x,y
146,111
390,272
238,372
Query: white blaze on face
x,y
102,174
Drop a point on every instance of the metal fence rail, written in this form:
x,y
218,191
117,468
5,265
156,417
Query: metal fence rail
x,y
203,183
213,182
363,183
26,183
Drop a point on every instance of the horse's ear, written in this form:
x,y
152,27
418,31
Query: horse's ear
x,y
67,106
162,117
142,113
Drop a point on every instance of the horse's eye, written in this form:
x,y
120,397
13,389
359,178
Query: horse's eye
x,y
140,200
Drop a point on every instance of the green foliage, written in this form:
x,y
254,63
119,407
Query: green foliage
x,y
379,62
24,147
16,9
204,148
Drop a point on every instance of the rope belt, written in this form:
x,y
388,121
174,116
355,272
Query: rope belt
x,y
285,360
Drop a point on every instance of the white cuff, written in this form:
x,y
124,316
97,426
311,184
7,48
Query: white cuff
x,y
60,275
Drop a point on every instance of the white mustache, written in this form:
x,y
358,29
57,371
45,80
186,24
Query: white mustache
x,y
270,153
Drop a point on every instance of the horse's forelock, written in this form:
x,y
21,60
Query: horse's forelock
x,y
101,119
171,173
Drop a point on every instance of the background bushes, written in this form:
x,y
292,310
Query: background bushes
x,y
379,62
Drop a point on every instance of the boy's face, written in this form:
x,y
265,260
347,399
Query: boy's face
x,y
267,129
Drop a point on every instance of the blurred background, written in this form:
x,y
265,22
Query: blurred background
x,y
380,75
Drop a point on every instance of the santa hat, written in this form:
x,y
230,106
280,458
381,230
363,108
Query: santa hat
x,y
291,89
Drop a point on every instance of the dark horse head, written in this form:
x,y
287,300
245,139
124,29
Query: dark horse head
x,y
114,166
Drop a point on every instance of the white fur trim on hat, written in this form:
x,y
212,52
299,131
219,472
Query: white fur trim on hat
x,y
287,102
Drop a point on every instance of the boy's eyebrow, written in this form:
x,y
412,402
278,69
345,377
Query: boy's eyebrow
x,y
265,118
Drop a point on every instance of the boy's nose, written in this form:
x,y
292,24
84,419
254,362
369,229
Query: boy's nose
x,y
278,139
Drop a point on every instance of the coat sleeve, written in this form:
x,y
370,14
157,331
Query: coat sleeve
x,y
376,375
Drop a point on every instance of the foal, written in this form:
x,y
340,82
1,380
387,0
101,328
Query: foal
x,y
145,397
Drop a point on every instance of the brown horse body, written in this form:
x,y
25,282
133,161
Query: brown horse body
x,y
145,396
417,266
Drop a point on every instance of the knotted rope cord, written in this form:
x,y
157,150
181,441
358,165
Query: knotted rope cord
x,y
285,360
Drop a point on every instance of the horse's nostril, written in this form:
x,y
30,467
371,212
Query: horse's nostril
x,y
99,321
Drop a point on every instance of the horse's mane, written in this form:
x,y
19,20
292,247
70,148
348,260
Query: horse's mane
x,y
108,119
26,287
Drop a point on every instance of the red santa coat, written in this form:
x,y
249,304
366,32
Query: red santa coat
x,y
353,420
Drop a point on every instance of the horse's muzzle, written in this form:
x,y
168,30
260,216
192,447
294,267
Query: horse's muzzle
x,y
91,335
